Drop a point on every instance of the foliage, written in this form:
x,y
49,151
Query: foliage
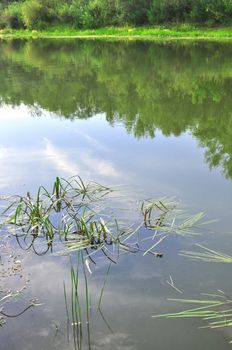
x,y
211,11
77,9
37,13
12,16
33,14
135,11
101,13
162,11
65,14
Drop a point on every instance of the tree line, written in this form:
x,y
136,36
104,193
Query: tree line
x,y
40,14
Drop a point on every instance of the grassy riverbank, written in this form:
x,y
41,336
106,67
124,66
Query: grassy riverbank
x,y
146,33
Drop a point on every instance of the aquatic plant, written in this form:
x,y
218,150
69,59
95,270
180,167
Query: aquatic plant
x,y
166,216
78,303
79,215
63,212
216,311
208,255
78,219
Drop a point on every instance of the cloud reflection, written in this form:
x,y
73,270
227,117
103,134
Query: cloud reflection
x,y
80,162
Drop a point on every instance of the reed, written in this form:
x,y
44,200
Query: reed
x,y
207,255
216,312
80,316
103,287
165,216
73,211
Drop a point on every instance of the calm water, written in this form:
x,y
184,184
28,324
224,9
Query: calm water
x,y
155,118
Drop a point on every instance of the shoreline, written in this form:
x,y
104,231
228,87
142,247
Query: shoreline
x,y
181,33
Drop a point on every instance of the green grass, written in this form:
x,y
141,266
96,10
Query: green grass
x,y
184,31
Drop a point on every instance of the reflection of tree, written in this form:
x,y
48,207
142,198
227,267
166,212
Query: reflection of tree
x,y
145,86
216,135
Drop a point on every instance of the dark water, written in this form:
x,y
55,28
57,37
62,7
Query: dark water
x,y
155,118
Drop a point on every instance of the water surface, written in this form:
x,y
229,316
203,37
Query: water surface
x,y
154,118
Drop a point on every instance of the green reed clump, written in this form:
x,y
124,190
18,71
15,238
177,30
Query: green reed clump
x,y
166,216
73,211
65,211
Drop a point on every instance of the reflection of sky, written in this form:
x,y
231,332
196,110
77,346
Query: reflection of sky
x,y
33,151
127,304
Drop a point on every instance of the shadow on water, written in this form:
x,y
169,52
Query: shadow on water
x,y
135,84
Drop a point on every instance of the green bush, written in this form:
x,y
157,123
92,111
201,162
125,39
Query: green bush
x,y
162,11
33,14
197,11
113,12
93,17
212,11
136,11
37,14
66,14
102,13
12,16
156,13
78,10
2,21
